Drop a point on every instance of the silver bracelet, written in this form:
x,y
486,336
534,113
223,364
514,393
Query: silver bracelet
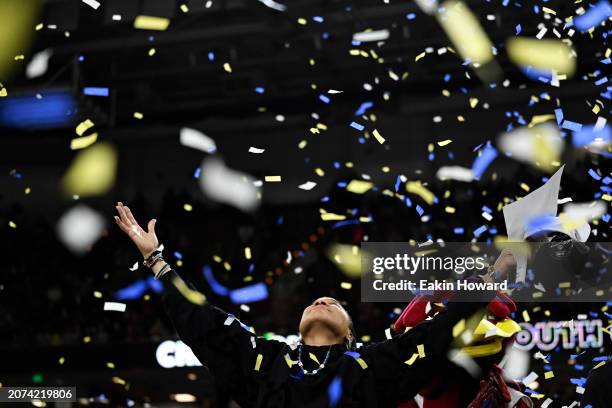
x,y
163,270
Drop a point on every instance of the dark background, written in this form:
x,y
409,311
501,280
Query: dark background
x,y
47,303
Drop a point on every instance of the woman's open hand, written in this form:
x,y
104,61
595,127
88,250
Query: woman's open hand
x,y
146,241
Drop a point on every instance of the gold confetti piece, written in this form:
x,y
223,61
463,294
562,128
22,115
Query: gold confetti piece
x,y
542,54
27,190
313,358
346,285
606,197
445,142
473,102
273,179
110,364
564,285
412,359
92,172
12,224
138,115
302,144
465,32
359,186
258,362
191,295
187,207
288,360
20,57
83,142
62,360
421,350
549,11
450,210
227,67
526,316
416,187
548,374
319,171
302,21
3,91
83,126
332,217
460,118
247,253
458,328
418,57
97,294
362,363
86,339
118,380
184,8
39,26
152,52
227,266
601,363
378,136
151,23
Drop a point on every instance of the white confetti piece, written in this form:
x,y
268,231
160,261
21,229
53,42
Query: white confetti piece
x,y
256,150
530,378
197,140
134,267
114,306
229,186
79,228
309,185
455,173
92,3
38,64
367,36
229,320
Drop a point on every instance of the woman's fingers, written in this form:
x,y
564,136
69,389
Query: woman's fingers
x,y
130,216
123,215
121,225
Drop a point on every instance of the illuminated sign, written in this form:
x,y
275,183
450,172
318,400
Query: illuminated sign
x,y
547,336
171,354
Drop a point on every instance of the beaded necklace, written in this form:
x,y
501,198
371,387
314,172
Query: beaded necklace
x,y
315,371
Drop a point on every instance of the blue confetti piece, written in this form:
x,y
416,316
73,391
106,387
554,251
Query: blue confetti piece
x,y
607,180
487,209
478,231
353,354
601,81
483,161
342,184
260,89
363,108
518,29
458,230
408,202
410,16
593,16
178,255
357,126
600,358
318,19
95,91
155,284
251,267
398,181
574,126
249,294
197,172
280,220
325,199
334,391
343,223
594,174
134,291
214,284
211,56
419,210
324,98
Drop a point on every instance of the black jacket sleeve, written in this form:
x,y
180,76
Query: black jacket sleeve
x,y
219,340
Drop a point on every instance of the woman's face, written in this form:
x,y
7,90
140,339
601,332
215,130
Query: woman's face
x,y
328,312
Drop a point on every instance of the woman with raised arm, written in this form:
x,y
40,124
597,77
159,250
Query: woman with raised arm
x,y
324,370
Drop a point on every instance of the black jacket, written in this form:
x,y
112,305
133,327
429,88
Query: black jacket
x,y
263,373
